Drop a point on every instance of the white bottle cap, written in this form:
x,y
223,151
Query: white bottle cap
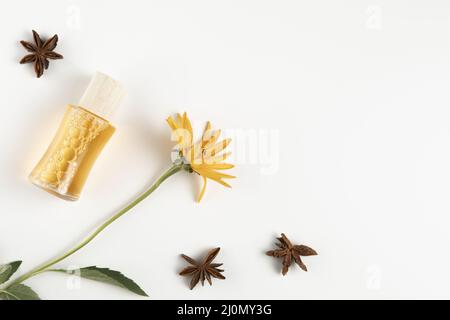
x,y
103,95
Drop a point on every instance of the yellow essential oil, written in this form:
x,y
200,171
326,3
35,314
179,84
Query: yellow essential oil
x,y
65,166
82,134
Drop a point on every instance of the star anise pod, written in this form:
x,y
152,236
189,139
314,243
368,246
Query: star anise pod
x,y
289,252
40,53
202,270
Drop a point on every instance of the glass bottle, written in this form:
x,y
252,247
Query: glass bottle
x,y
82,134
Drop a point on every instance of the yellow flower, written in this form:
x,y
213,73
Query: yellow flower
x,y
205,157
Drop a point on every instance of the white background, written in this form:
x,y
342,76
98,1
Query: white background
x,y
356,90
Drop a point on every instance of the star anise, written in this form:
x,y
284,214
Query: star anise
x,y
290,252
202,270
41,52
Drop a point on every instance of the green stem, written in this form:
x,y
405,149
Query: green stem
x,y
42,268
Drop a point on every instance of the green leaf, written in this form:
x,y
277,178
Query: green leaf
x,y
108,276
7,270
18,292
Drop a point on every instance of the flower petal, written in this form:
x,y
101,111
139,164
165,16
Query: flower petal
x,y
221,166
209,136
179,120
222,183
187,125
209,173
207,129
219,158
171,122
215,149
202,193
